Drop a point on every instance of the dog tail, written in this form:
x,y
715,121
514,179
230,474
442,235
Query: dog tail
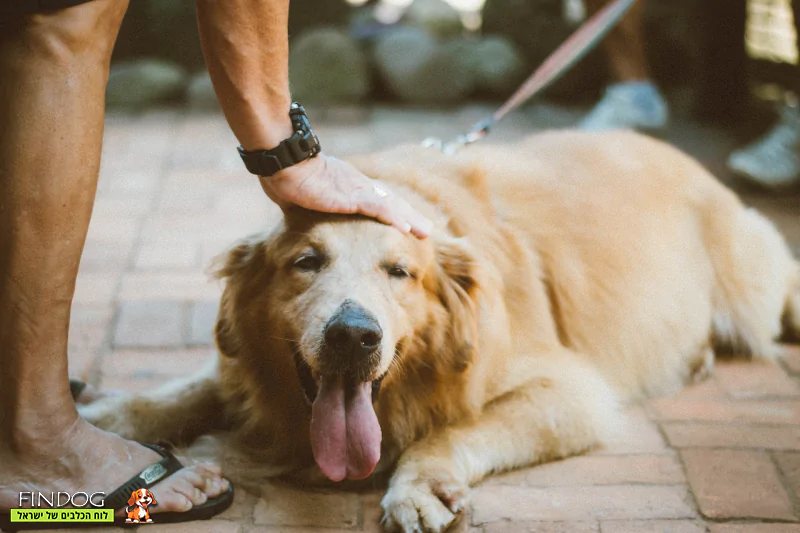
x,y
757,282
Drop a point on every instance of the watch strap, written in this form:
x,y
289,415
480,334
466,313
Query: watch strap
x,y
302,145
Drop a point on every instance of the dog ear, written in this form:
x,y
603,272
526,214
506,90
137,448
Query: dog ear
x,y
225,335
132,499
152,497
245,271
457,287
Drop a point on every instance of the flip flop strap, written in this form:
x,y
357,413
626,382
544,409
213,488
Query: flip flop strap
x,y
144,479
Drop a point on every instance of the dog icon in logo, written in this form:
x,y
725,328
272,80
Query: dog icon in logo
x,y
138,503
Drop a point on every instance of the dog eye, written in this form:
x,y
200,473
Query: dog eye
x,y
308,263
397,271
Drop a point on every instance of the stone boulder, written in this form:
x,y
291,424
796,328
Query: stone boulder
x,y
499,66
417,69
434,16
326,65
138,84
200,93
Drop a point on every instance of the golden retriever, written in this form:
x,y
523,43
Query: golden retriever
x,y
566,274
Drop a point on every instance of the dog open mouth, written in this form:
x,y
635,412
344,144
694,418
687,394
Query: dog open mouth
x,y
345,433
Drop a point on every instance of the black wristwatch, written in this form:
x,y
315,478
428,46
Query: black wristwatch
x,y
302,145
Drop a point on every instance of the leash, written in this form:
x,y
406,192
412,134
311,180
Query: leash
x,y
559,62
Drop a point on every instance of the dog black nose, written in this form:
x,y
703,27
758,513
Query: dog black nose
x,y
353,332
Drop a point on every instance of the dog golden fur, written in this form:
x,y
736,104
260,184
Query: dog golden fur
x,y
566,274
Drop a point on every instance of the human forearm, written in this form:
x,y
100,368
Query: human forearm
x,y
245,43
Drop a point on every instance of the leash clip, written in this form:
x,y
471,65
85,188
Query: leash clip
x,y
478,132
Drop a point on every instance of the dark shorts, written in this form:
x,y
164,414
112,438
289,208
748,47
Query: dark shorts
x,y
27,7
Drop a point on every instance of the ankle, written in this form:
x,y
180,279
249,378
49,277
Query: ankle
x,y
40,435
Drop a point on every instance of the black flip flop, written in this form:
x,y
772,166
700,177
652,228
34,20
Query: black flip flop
x,y
119,498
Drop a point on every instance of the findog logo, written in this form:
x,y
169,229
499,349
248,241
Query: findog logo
x,y
138,504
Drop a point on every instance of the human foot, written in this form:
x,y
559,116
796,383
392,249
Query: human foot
x,y
774,159
87,459
630,105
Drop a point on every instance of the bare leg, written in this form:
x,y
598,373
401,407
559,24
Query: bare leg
x,y
53,71
624,45
633,101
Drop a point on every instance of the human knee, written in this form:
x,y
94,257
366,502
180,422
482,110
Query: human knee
x,y
87,30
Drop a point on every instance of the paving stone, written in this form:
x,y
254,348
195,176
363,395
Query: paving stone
x,y
754,528
751,379
637,435
305,529
597,470
287,506
87,332
198,526
652,526
709,435
754,412
95,288
169,287
137,370
99,256
149,324
789,464
736,484
791,358
541,527
112,229
167,255
202,317
612,502
708,389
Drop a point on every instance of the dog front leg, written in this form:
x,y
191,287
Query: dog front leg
x,y
565,410
177,412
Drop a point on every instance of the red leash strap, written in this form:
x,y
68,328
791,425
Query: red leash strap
x,y
560,61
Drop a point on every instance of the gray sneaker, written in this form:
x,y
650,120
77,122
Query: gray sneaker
x,y
629,106
774,159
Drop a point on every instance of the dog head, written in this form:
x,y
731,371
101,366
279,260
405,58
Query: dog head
x,y
345,301
142,498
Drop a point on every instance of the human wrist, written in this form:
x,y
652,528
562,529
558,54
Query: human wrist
x,y
269,133
299,145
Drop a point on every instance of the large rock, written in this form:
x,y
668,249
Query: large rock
x,y
499,66
327,66
138,84
417,69
435,16
200,93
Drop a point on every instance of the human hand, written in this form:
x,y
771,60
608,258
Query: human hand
x,y
330,185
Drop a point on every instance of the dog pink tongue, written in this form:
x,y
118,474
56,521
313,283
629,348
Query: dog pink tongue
x,y
345,434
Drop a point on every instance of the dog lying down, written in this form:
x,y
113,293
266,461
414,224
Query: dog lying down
x,y
566,274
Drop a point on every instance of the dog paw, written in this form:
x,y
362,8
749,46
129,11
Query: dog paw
x,y
423,506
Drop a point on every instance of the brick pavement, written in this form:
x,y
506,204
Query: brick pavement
x,y
722,456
